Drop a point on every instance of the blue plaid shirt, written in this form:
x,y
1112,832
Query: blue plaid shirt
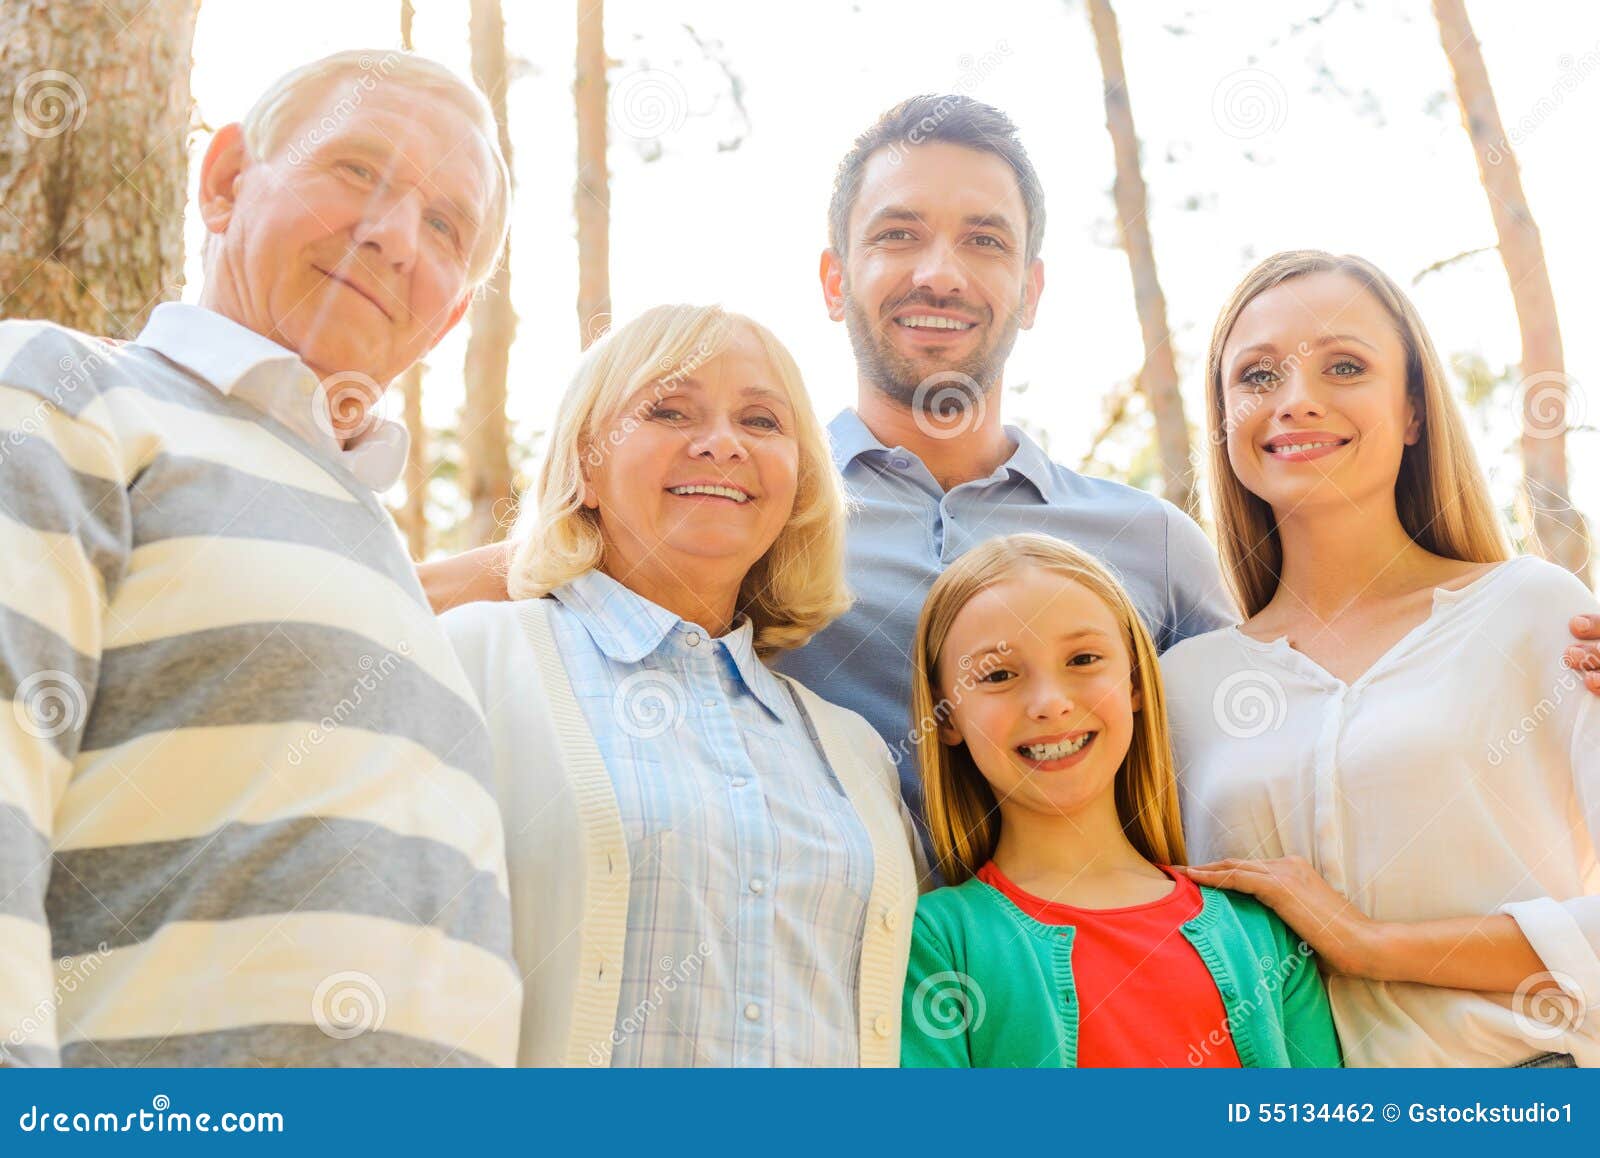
x,y
750,870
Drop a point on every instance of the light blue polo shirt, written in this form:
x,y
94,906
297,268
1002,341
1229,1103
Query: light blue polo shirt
x,y
906,529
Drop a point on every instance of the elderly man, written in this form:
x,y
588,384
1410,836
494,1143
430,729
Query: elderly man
x,y
243,778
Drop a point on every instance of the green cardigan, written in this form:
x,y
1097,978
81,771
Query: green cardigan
x,y
990,986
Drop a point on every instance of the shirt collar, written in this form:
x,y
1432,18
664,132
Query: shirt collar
x,y
240,363
850,439
627,627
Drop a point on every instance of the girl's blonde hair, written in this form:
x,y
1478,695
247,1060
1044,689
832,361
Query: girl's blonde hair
x,y
797,587
1440,493
962,813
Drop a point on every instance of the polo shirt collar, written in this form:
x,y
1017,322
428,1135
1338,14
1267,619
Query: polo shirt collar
x,y
850,439
240,363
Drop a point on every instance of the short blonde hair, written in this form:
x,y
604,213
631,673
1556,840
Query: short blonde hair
x,y
962,813
796,588
1440,493
280,110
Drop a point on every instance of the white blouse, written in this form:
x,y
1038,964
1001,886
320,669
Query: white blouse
x,y
1459,776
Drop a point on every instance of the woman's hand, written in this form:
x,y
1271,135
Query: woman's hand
x,y
1342,935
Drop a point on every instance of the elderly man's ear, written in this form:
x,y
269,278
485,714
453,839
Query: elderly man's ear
x,y
224,162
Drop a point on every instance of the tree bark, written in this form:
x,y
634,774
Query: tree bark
x,y
485,433
1558,529
413,513
1158,377
94,129
592,192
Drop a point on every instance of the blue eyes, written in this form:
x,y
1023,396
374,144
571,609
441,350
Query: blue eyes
x,y
366,175
1264,376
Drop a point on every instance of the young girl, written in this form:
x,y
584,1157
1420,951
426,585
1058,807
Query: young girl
x,y
1064,939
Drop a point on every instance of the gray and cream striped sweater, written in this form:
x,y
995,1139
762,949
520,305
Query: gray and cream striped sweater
x,y
244,817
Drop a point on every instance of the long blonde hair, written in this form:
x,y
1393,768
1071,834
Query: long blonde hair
x,y
797,587
1440,493
963,816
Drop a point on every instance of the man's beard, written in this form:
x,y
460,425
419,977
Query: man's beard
x,y
929,391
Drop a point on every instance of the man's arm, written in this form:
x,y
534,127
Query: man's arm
x,y
64,540
1198,598
475,576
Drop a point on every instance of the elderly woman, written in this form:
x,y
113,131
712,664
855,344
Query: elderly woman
x,y
709,865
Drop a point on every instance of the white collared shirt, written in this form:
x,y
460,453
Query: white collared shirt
x,y
1458,776
242,364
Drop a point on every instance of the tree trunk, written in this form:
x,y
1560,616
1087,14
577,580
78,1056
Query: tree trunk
x,y
413,513
592,194
1158,377
94,132
485,449
1558,529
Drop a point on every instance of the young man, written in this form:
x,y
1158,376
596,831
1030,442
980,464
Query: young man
x,y
933,265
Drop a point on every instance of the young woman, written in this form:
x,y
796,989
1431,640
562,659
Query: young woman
x,y
709,866
1065,938
1388,750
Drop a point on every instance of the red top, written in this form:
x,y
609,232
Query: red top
x,y
1145,998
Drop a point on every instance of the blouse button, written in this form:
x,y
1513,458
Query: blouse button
x,y
881,1026
692,639
739,781
757,885
752,1012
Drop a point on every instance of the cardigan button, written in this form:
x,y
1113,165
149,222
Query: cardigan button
x,y
890,919
882,1026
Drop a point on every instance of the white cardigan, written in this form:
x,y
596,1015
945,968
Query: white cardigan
x,y
568,857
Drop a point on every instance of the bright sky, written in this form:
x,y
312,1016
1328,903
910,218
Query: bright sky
x,y
1343,135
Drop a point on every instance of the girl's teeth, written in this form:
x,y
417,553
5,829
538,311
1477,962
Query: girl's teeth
x,y
1296,448
1055,751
